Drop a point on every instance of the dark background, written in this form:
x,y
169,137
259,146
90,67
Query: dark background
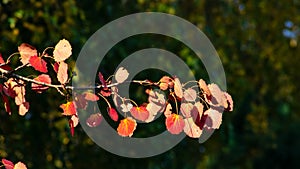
x,y
256,41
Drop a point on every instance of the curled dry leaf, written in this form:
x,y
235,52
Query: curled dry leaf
x,y
178,88
190,95
175,123
62,50
191,129
26,51
126,127
68,108
41,78
94,120
229,102
38,64
62,73
140,113
121,75
113,114
204,87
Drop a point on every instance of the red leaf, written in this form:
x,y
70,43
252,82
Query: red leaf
x,y
90,96
113,114
41,78
62,50
1,59
20,165
71,125
38,64
68,108
5,67
139,113
23,108
94,120
102,80
62,73
191,129
55,67
105,91
7,164
126,127
175,123
26,51
178,88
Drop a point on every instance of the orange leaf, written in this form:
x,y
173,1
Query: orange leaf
x,y
23,108
90,96
204,87
20,165
126,127
68,108
38,64
62,73
41,78
175,123
165,83
139,113
62,50
7,164
177,88
113,114
26,51
94,120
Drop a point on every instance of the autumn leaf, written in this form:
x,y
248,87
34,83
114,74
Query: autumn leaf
x,y
166,82
186,109
218,98
94,120
6,104
229,102
102,80
126,127
62,50
20,165
91,96
55,67
175,123
23,108
41,78
191,129
26,51
73,122
139,113
204,87
178,88
113,114
7,164
121,75
214,118
80,101
168,110
62,73
38,64
126,107
5,67
68,108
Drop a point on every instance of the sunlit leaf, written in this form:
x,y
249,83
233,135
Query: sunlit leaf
x,y
91,96
218,98
62,51
26,51
121,75
178,88
165,83
191,129
20,165
23,108
62,73
68,108
190,95
214,118
41,78
139,113
113,114
229,102
175,123
204,87
94,120
168,110
75,120
186,109
126,127
38,64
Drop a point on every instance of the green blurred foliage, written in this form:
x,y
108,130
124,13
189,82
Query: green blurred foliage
x,y
261,66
